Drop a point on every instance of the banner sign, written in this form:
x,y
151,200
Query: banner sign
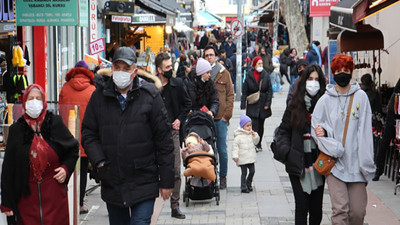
x,y
83,13
47,13
321,8
121,19
93,20
97,46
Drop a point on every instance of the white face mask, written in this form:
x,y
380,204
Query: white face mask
x,y
33,108
312,87
122,79
259,69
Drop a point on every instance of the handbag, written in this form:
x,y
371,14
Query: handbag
x,y
253,98
324,163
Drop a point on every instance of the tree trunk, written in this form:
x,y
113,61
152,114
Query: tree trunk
x,y
290,10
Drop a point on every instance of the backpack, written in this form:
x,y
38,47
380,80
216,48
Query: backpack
x,y
273,146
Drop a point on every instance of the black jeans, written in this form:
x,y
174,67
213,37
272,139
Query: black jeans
x,y
247,180
258,126
84,171
307,203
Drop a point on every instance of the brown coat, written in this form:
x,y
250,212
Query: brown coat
x,y
224,85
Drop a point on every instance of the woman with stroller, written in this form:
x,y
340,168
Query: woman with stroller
x,y
257,80
202,90
243,152
297,149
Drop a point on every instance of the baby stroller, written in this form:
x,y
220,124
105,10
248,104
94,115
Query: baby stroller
x,y
198,188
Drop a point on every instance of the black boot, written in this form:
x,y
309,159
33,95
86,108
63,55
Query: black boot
x,y
177,214
378,173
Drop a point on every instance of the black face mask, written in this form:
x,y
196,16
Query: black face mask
x,y
168,74
342,79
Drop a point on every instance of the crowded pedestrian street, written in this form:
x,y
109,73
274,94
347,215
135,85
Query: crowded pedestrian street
x,y
271,202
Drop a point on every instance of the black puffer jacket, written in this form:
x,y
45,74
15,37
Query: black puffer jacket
x,y
251,86
135,144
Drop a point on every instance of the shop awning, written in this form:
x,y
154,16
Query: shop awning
x,y
205,18
366,8
366,38
159,8
342,15
181,27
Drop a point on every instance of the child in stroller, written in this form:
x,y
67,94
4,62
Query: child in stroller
x,y
201,165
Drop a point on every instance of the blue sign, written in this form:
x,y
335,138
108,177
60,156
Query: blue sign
x,y
332,51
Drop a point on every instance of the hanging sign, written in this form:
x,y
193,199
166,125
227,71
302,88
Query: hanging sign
x,y
321,8
237,28
47,13
97,46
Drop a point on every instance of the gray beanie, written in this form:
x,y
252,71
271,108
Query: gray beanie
x,y
202,67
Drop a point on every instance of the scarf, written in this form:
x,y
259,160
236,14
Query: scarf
x,y
215,70
256,75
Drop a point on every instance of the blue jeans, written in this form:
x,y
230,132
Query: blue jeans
x,y
222,130
293,78
139,214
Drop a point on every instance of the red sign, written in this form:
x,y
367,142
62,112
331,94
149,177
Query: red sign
x,y
97,46
121,19
237,28
321,8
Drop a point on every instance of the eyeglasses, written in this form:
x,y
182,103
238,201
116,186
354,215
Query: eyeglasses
x,y
209,55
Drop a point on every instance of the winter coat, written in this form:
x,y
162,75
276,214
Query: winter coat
x,y
356,158
135,144
312,57
180,100
267,63
251,86
213,101
224,85
373,98
244,146
76,91
229,49
16,165
203,41
284,63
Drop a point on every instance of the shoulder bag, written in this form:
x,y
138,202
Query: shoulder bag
x,y
324,163
253,98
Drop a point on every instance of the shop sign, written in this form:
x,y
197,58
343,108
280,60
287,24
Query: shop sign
x,y
321,8
93,20
83,13
47,13
121,19
145,18
97,46
6,27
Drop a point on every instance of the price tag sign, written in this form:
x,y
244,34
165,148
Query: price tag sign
x,y
97,46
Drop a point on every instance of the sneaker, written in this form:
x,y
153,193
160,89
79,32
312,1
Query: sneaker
x,y
177,214
222,183
249,187
83,210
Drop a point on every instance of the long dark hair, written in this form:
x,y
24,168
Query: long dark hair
x,y
204,90
297,105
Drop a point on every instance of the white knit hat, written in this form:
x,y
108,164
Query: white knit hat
x,y
202,67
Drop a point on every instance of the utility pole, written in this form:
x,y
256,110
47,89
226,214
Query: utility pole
x,y
276,24
239,55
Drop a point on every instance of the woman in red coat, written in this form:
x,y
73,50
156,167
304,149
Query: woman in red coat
x,y
77,91
40,156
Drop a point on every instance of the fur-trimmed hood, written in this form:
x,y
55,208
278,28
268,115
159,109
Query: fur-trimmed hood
x,y
106,73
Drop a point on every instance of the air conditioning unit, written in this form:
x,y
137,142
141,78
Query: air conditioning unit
x,y
119,8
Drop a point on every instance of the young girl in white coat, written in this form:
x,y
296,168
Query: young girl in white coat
x,y
244,153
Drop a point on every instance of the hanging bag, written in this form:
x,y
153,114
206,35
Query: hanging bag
x,y
253,98
324,163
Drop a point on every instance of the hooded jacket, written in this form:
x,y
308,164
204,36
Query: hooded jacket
x,y
243,146
226,95
77,91
356,158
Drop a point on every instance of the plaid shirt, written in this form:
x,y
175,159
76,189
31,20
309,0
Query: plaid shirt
x,y
121,98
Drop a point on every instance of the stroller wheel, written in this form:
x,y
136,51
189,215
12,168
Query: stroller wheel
x,y
187,200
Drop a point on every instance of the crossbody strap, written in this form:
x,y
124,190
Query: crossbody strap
x,y
259,86
347,120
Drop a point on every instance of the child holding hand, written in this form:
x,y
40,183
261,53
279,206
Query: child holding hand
x,y
244,153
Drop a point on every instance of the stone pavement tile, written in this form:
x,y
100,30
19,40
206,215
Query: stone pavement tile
x,y
274,206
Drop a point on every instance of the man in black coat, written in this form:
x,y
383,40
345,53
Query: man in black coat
x,y
178,103
127,137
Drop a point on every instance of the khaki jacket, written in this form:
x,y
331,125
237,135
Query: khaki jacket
x,y
226,96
